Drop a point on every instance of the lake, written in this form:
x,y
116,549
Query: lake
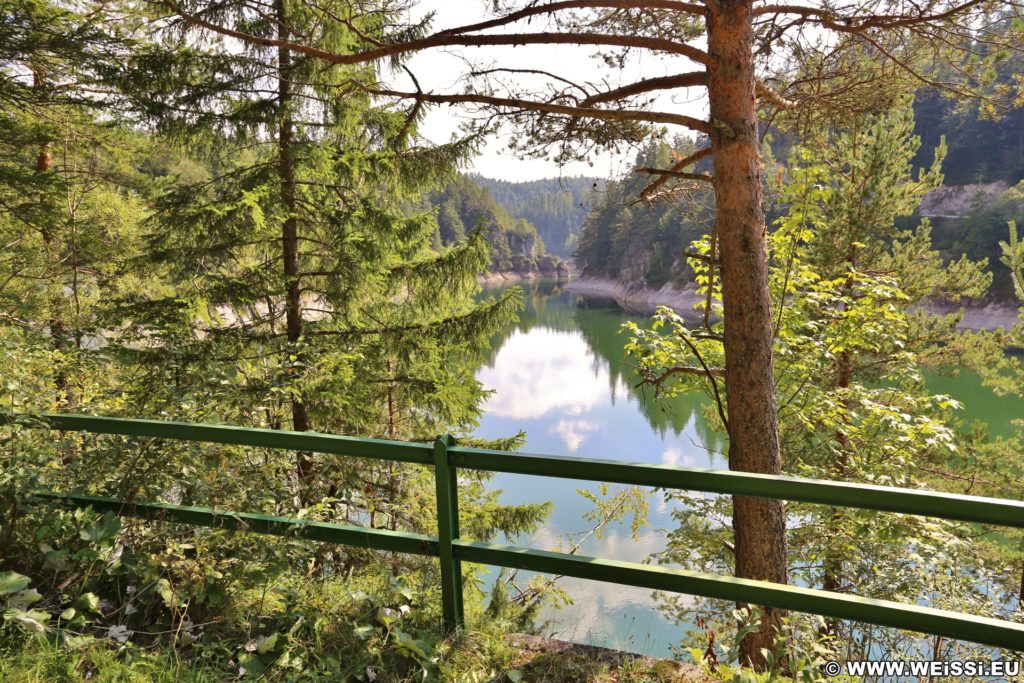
x,y
561,376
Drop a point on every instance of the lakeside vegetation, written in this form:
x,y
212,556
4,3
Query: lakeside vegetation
x,y
221,211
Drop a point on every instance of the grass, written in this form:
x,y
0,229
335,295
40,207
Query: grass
x,y
39,661
475,658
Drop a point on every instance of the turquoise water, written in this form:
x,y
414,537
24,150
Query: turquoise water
x,y
561,376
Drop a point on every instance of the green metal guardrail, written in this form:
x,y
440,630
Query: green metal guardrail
x,y
447,458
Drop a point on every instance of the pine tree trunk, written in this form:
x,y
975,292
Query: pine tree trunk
x,y
58,330
289,229
759,525
832,578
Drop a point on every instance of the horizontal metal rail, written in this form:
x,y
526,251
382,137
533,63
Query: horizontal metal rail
x,y
838,493
448,458
378,449
324,532
994,632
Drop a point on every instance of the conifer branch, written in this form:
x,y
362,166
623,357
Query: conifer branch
x,y
448,40
551,108
686,80
552,7
648,192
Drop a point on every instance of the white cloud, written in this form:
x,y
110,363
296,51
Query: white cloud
x,y
573,432
599,609
675,457
544,371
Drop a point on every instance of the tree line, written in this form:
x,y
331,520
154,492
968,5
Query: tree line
x,y
642,243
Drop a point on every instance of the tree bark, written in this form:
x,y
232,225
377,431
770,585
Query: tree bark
x,y
289,228
832,577
759,525
58,330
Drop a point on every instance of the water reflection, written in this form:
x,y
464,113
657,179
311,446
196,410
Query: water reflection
x,y
560,375
544,372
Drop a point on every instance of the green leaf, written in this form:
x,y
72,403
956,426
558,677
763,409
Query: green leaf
x,y
32,620
364,632
250,665
419,649
105,528
75,642
88,602
515,675
163,588
265,644
387,616
24,598
12,582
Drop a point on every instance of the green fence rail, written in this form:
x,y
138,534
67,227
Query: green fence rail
x,y
447,458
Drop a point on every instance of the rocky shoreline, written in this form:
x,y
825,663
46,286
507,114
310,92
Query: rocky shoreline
x,y
513,276
635,299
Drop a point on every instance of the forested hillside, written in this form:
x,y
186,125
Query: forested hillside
x,y
555,206
984,144
984,171
515,246
639,242
642,244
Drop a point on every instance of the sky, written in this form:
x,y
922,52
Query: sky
x,y
439,70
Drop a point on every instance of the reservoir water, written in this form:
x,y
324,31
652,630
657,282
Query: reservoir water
x,y
560,375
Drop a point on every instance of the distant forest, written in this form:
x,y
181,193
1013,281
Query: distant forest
x,y
642,244
556,207
516,246
601,224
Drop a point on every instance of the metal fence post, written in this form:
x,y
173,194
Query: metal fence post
x,y
447,530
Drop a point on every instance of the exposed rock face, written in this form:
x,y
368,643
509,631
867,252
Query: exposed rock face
x,y
523,244
636,299
980,316
953,201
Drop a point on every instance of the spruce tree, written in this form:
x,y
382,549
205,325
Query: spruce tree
x,y
297,271
68,192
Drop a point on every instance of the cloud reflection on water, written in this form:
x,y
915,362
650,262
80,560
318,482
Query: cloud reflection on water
x,y
606,613
544,371
570,390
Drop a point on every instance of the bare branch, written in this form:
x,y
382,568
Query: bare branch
x,y
450,40
719,403
687,370
551,7
551,108
532,72
687,80
706,177
648,192
863,21
766,93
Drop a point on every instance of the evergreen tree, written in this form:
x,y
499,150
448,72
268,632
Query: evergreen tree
x,y
556,207
641,243
515,245
853,340
295,270
68,192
